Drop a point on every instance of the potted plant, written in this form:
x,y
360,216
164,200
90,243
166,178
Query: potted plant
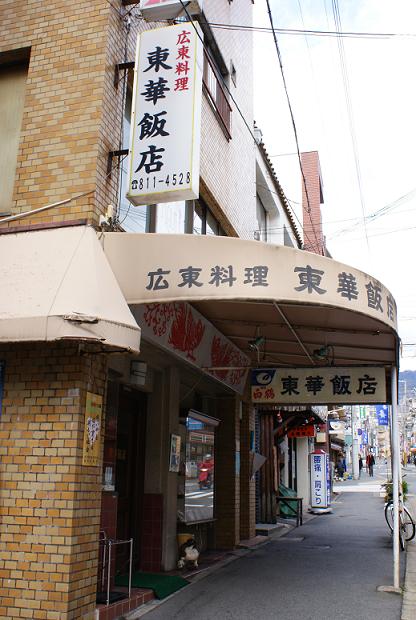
x,y
388,490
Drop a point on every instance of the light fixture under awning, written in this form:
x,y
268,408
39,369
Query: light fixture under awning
x,y
57,284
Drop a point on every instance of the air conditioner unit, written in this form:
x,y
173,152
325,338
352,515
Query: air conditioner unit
x,y
154,10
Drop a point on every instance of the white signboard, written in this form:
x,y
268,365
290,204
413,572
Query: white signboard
x,y
320,483
168,9
183,268
166,117
318,385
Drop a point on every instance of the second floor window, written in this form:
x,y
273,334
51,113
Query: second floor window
x,y
12,97
216,93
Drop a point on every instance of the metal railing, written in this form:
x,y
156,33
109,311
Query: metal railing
x,y
108,544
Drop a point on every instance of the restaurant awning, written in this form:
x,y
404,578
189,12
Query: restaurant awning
x,y
57,284
281,306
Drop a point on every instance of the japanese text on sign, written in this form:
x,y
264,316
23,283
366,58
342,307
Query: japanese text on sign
x,y
318,385
320,485
165,132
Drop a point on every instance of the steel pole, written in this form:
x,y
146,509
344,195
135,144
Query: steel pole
x,y
395,447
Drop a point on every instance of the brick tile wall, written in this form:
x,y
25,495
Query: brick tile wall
x,y
72,114
311,203
49,502
62,146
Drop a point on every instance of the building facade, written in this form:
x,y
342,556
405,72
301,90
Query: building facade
x,y
125,408
65,96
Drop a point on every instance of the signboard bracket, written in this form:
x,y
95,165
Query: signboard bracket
x,y
111,155
121,66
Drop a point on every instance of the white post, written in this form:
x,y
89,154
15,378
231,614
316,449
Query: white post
x,y
395,457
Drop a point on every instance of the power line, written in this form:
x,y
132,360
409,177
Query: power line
x,y
114,7
240,112
318,33
379,213
293,120
346,83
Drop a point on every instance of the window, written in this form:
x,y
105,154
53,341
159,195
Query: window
x,y
261,214
204,222
213,87
199,467
12,97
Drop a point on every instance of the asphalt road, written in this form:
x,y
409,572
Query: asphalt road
x,y
328,568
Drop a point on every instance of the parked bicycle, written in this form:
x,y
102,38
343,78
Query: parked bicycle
x,y
406,523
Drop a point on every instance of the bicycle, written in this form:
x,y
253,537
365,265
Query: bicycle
x,y
407,528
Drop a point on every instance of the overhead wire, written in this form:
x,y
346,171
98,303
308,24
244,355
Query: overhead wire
x,y
313,32
225,85
114,7
347,90
318,241
382,211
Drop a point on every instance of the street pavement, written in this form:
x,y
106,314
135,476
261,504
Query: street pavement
x,y
328,568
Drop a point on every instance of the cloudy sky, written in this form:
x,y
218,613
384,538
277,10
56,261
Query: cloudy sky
x,y
382,95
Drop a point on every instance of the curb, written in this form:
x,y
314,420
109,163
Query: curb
x,y
409,590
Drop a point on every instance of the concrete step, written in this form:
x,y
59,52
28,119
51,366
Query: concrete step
x,y
267,529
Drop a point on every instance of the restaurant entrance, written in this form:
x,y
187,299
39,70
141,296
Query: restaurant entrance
x,y
130,465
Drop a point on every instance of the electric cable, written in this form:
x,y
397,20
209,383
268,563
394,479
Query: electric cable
x,y
318,33
113,7
319,242
127,22
347,89
219,76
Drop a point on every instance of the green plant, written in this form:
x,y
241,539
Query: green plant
x,y
388,488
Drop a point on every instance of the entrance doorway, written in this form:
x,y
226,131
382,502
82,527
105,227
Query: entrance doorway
x,y
130,467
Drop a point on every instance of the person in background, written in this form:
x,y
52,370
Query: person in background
x,y
370,464
360,464
340,468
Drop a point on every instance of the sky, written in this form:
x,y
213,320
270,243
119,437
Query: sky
x,y
382,96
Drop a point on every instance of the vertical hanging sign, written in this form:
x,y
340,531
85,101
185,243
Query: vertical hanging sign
x,y
166,118
320,482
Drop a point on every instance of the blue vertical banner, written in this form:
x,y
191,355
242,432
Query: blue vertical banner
x,y
382,412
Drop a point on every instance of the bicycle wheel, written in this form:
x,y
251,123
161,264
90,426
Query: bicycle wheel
x,y
388,514
407,524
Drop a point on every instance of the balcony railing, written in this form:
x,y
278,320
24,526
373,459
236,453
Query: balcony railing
x,y
216,94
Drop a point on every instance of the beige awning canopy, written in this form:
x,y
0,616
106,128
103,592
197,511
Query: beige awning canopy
x,y
281,306
57,284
